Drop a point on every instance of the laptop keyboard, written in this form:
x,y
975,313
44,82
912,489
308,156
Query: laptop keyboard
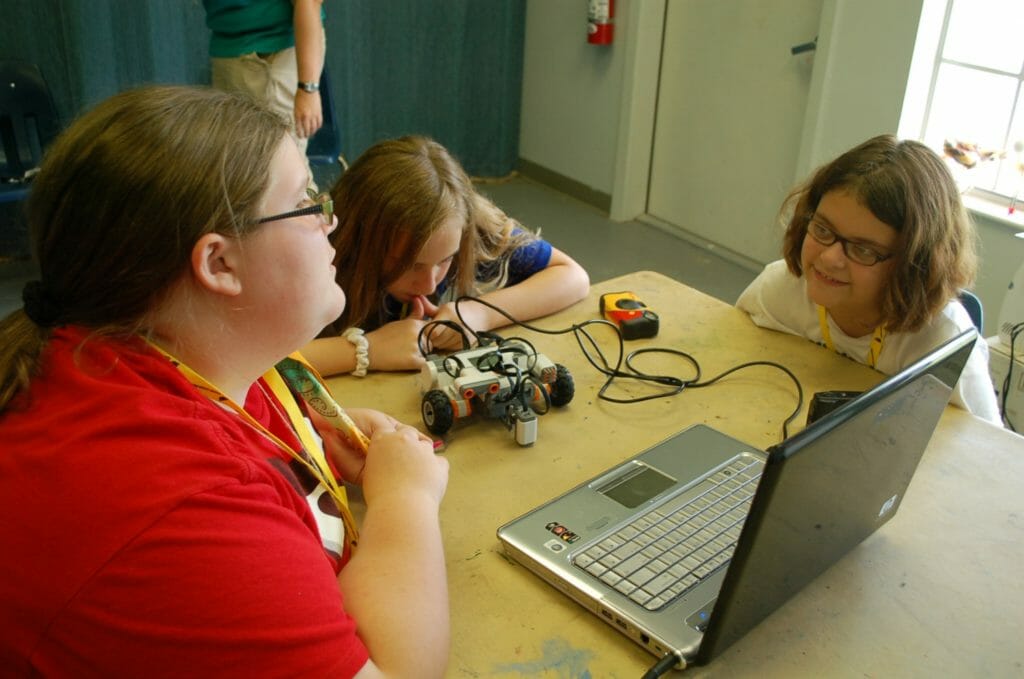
x,y
670,549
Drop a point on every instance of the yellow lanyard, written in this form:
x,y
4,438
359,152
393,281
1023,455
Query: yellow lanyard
x,y
308,384
877,340
314,459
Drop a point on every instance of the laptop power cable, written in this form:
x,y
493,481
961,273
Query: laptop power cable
x,y
664,665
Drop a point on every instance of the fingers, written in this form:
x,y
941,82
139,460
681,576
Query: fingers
x,y
407,432
416,307
300,124
446,338
307,114
401,462
371,421
429,309
305,128
422,309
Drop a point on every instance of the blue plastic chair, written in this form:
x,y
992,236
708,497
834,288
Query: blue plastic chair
x,y
28,123
325,146
973,306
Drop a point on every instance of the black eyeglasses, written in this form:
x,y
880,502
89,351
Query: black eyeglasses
x,y
322,205
855,252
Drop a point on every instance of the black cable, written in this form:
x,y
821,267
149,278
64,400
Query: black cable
x,y
580,332
664,664
673,384
1008,380
670,384
423,338
799,388
453,365
497,361
515,377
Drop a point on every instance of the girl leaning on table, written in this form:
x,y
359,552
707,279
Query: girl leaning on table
x,y
167,508
413,236
876,250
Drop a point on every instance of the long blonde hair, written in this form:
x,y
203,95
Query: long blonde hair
x,y
391,200
121,198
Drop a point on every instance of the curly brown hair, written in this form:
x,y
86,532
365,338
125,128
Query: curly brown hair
x,y
907,186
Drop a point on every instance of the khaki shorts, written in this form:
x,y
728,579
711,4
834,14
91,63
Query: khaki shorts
x,y
272,79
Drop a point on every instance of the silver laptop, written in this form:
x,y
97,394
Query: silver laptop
x,y
689,544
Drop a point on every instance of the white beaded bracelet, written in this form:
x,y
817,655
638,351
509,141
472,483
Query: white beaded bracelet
x,y
362,345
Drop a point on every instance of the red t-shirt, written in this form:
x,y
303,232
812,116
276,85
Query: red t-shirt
x,y
148,532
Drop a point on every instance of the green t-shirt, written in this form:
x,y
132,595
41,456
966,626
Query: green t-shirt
x,y
245,26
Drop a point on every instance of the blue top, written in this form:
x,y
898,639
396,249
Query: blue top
x,y
511,269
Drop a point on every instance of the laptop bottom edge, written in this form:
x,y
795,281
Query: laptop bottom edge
x,y
607,612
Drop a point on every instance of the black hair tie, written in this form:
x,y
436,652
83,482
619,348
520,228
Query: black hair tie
x,y
40,307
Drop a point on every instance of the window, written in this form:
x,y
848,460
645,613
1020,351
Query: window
x,y
966,88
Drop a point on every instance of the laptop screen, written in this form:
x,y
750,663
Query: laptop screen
x,y
825,489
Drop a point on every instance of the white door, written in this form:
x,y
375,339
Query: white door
x,y
730,114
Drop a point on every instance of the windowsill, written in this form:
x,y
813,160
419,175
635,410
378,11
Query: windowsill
x,y
978,204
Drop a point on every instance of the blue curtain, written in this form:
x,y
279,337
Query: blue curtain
x,y
449,69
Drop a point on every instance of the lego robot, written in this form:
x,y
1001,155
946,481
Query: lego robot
x,y
508,381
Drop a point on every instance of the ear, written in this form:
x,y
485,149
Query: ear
x,y
215,264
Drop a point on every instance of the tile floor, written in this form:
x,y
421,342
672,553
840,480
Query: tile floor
x,y
605,248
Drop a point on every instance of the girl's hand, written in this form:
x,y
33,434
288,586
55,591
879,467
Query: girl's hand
x,y
369,420
422,308
402,462
348,460
475,317
393,345
437,336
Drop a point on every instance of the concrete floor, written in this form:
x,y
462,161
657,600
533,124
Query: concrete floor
x,y
607,249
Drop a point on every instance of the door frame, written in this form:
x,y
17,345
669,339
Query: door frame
x,y
839,81
637,109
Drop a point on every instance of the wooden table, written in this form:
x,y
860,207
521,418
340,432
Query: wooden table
x,y
935,592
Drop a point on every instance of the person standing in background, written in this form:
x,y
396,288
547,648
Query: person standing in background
x,y
274,51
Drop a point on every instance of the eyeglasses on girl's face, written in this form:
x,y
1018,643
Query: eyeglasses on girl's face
x,y
854,251
321,205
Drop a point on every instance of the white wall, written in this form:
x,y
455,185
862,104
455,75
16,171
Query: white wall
x,y
860,74
587,109
572,92
1001,254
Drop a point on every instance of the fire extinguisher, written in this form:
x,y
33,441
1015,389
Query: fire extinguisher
x,y
600,18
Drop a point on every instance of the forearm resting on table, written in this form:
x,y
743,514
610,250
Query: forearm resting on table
x,y
396,588
331,355
560,285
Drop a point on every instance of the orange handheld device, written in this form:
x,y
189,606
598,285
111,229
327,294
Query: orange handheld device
x,y
634,319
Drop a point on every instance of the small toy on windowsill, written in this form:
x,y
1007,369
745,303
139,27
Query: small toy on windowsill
x,y
1018,148
968,154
